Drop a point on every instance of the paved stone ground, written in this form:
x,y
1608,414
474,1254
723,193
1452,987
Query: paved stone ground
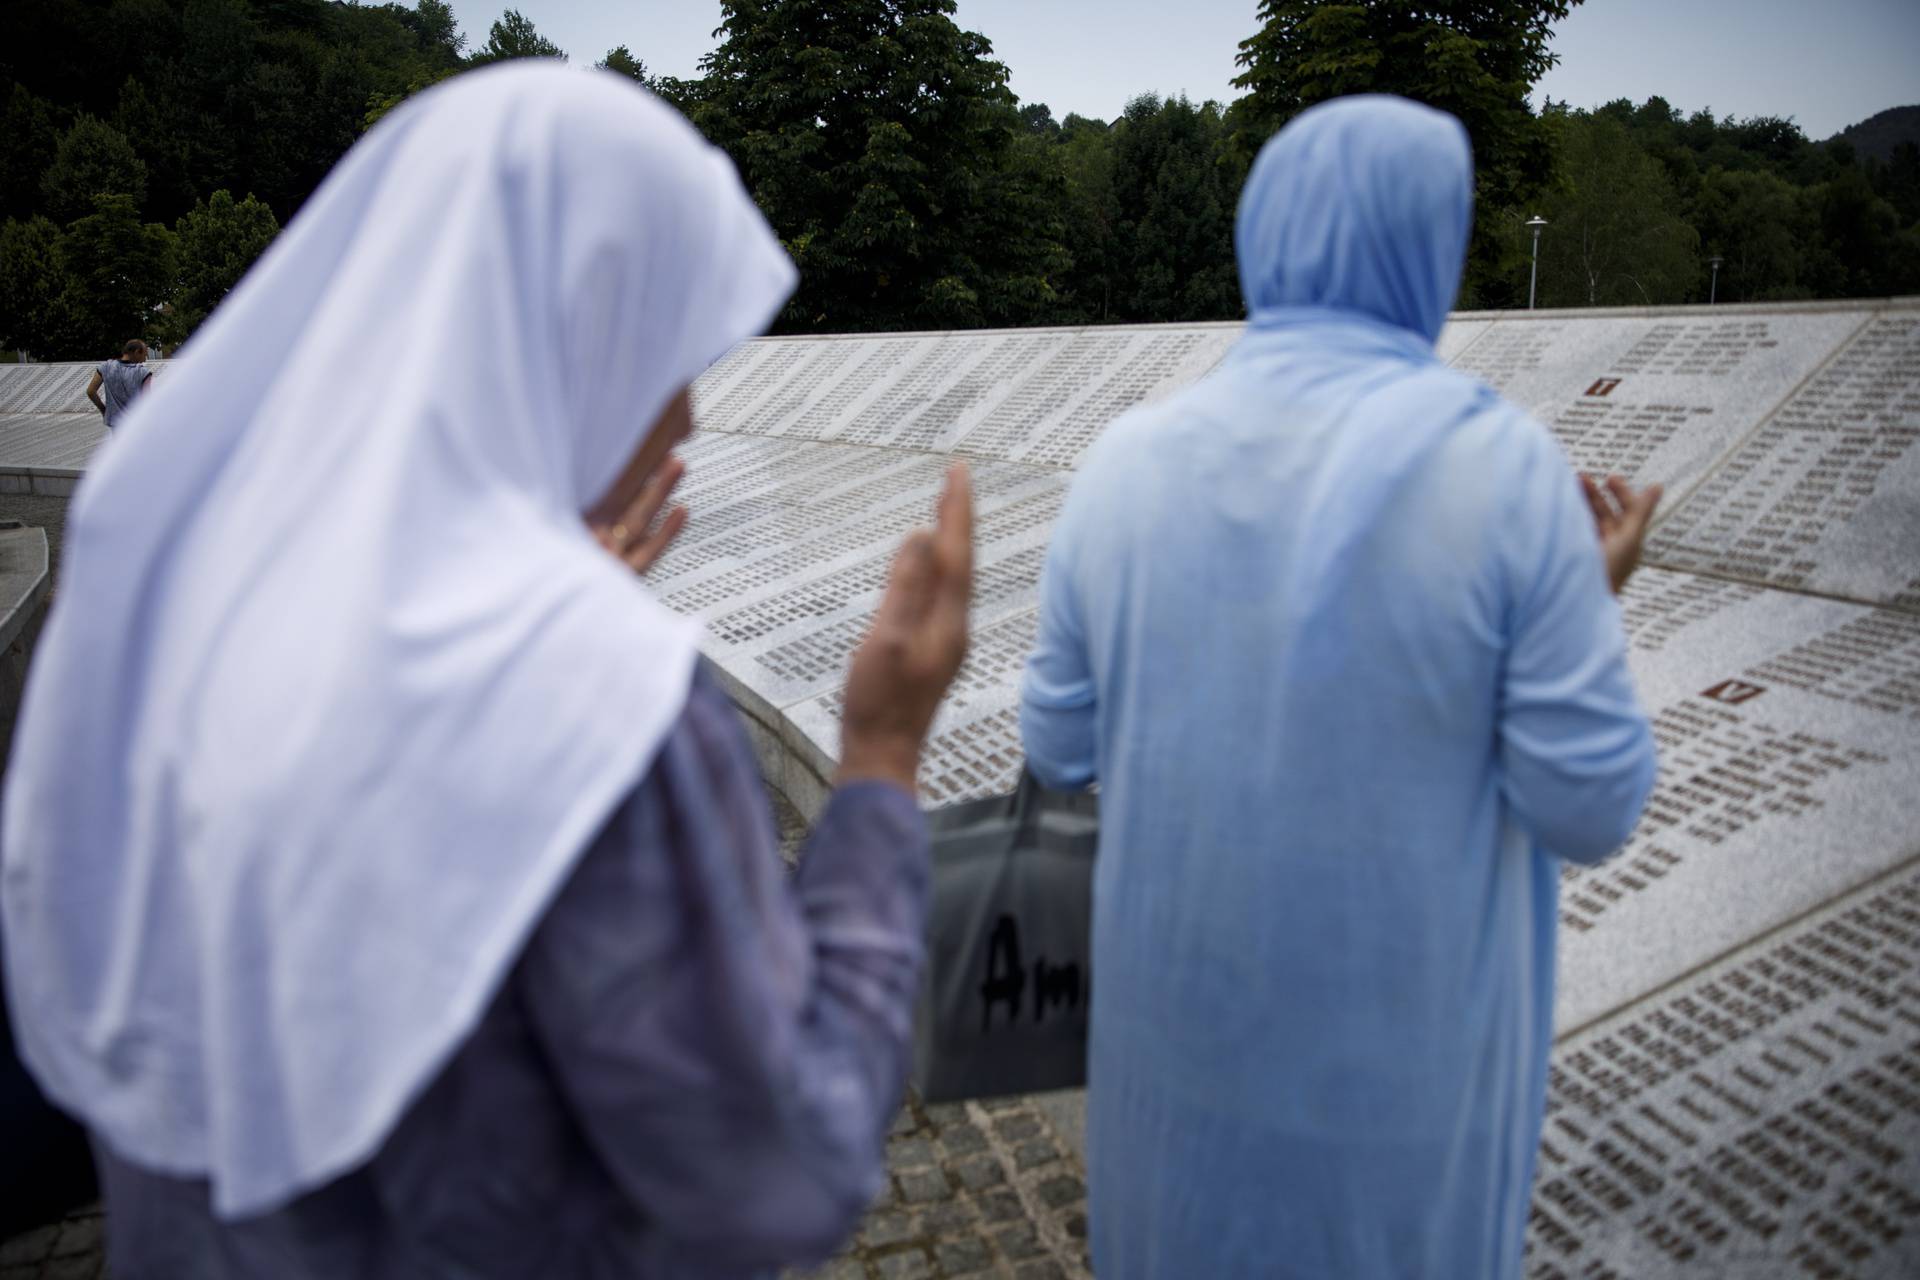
x,y
974,1189
47,513
70,1249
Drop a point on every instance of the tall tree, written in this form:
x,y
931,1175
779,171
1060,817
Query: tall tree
x,y
1092,219
1858,230
93,159
30,284
1616,236
438,30
513,36
1759,224
217,241
117,272
621,59
29,140
878,136
1175,212
1478,59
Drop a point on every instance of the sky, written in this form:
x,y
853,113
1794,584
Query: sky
x,y
1826,64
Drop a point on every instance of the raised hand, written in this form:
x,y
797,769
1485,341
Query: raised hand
x,y
914,649
1620,517
633,534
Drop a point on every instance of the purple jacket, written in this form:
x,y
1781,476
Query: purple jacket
x,y
690,1071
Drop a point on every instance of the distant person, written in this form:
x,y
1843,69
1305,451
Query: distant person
x,y
1332,629
387,886
121,380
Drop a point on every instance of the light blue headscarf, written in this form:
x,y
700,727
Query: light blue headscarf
x,y
1332,631
1351,234
1362,205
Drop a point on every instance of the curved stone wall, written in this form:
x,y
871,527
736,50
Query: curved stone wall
x,y
23,593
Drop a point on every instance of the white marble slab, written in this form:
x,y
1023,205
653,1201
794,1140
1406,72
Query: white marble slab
x,y
791,542
1055,412
1038,395
1759,1118
49,439
1654,398
1825,494
1787,726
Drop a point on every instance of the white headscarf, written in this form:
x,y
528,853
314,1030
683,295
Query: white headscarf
x,y
338,688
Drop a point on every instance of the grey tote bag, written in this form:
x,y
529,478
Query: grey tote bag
x,y
1003,1003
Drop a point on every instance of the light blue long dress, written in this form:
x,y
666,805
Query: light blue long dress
x,y
1332,631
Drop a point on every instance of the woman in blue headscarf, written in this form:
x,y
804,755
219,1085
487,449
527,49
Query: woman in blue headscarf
x,y
1333,630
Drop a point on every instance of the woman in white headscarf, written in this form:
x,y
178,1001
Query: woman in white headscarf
x,y
386,887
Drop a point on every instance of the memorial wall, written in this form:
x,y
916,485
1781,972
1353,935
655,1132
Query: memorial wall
x,y
46,420
1735,1086
1736,1082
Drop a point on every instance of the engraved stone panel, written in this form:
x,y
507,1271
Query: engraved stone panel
x,y
49,439
794,541
1761,1118
1822,495
1056,411
1788,775
1654,398
1456,336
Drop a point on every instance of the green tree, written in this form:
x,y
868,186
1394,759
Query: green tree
x,y
30,282
1857,232
621,59
1478,59
1759,224
1174,236
679,92
216,242
1897,180
246,95
1038,118
379,104
433,22
117,271
28,143
93,159
1615,235
218,47
878,138
513,36
1092,219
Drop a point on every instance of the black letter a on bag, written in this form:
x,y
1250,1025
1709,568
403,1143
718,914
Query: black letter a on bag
x,y
1005,981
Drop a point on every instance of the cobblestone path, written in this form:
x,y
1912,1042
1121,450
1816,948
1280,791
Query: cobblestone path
x,y
980,1189
71,1249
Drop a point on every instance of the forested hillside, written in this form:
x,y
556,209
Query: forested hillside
x,y
1881,135
152,148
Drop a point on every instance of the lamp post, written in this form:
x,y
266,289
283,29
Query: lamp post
x,y
1713,285
1533,278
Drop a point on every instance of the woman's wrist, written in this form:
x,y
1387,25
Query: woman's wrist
x,y
878,758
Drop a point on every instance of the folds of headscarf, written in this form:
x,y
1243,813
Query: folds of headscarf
x,y
338,687
1351,235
